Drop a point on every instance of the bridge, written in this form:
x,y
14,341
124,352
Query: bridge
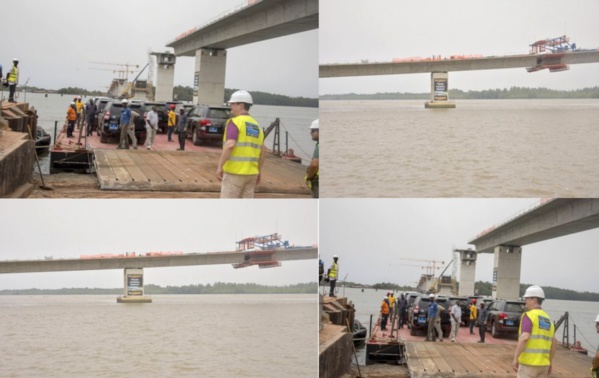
x,y
549,219
439,68
133,265
254,21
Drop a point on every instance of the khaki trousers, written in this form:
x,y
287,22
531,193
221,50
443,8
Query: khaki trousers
x,y
238,186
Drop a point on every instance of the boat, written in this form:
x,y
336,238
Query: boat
x,y
42,140
360,332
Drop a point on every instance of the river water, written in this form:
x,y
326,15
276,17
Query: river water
x,y
582,314
294,120
483,148
175,336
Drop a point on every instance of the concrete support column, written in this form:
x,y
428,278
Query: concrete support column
x,y
439,91
134,287
209,81
165,76
467,270
506,272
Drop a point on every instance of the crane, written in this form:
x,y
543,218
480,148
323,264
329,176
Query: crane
x,y
123,71
260,251
431,264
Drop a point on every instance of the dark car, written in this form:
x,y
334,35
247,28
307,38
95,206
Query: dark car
x,y
503,317
100,103
207,123
464,306
162,114
418,315
109,124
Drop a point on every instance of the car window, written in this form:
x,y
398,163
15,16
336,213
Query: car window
x,y
218,113
514,307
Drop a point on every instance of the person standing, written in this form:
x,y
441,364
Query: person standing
x,y
333,273
392,301
71,119
90,111
431,318
536,342
482,327
125,121
456,319
12,78
440,309
172,121
240,165
403,311
151,126
181,123
473,315
595,366
79,105
313,170
385,309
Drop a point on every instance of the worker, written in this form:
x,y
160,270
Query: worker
x,y
320,270
172,122
240,165
536,342
385,309
482,322
332,274
90,111
79,105
402,311
12,77
124,125
392,300
71,119
151,126
473,315
431,318
181,124
312,172
595,366
456,319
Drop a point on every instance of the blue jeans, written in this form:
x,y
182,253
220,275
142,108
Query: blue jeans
x,y
170,132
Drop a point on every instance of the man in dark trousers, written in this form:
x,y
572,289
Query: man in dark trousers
x,y
90,113
12,78
333,273
181,123
312,173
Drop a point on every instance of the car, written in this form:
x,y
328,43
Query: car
x,y
418,314
110,120
207,123
100,103
503,317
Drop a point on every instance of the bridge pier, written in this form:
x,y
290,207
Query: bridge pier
x,y
439,92
165,75
467,270
134,287
209,80
506,272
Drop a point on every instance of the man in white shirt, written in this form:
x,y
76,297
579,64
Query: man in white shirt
x,y
151,126
456,319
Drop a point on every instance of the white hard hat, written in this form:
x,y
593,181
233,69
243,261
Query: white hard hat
x,y
534,292
241,96
15,60
335,256
125,101
72,102
597,320
314,125
431,295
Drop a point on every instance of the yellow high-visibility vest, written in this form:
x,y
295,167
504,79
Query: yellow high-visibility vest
x,y
13,75
245,157
538,346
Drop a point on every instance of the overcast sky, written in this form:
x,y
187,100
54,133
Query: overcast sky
x,y
379,30
370,237
70,228
55,42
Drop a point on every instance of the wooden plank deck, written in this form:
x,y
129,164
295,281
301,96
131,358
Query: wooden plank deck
x,y
186,171
435,359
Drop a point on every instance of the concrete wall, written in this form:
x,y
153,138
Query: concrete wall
x,y
335,351
17,156
467,272
165,76
210,68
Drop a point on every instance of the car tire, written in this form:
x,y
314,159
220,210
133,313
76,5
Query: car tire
x,y
194,138
494,331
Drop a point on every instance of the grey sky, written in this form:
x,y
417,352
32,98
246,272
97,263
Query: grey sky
x,y
56,40
379,30
69,228
370,236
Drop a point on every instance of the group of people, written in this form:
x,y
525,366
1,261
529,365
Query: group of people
x,y
11,80
394,307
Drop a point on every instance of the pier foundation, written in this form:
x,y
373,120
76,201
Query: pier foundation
x,y
209,80
134,287
439,92
506,272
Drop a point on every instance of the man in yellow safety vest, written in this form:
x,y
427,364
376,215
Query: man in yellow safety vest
x,y
241,161
333,273
12,78
536,344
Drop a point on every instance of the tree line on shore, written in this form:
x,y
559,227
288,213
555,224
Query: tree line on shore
x,y
216,288
485,288
514,93
186,94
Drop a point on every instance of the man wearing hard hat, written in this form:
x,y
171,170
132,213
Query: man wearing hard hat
x,y
313,171
332,274
241,161
12,78
536,343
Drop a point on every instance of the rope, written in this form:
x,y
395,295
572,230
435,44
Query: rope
x,y
580,333
298,145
